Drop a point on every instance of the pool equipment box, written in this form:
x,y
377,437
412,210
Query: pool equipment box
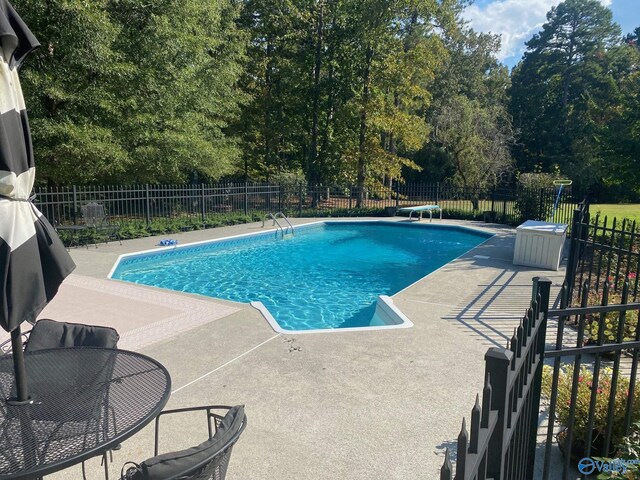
x,y
539,244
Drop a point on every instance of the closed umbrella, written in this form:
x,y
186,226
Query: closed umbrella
x,y
33,260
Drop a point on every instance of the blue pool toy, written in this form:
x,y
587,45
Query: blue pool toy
x,y
167,242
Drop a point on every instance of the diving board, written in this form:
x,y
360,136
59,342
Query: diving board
x,y
420,209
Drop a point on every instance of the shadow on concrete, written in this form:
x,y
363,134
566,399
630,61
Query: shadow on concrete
x,y
492,311
452,445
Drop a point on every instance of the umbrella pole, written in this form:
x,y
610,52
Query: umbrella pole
x,y
18,365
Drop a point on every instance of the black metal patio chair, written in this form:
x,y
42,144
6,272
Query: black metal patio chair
x,y
50,334
94,219
47,333
209,460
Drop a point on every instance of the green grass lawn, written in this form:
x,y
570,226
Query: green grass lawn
x,y
619,211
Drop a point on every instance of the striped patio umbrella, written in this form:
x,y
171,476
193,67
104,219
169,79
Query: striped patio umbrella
x,y
33,260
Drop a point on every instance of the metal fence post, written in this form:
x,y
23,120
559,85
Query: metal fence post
x,y
493,199
350,197
504,210
147,205
300,200
541,207
573,253
203,208
541,287
246,198
497,366
75,204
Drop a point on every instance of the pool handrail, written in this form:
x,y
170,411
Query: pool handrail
x,y
282,215
275,222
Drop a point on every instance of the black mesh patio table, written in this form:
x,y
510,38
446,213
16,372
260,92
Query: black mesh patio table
x,y
84,401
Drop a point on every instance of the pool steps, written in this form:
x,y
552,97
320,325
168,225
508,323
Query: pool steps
x,y
387,315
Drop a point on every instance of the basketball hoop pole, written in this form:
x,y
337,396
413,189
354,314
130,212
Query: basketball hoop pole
x,y
561,184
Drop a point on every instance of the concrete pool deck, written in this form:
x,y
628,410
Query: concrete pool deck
x,y
380,404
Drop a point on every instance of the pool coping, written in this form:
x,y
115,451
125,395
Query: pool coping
x,y
385,306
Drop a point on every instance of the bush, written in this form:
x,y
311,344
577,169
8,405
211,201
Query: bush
x,y
163,226
609,323
583,398
531,203
344,212
628,449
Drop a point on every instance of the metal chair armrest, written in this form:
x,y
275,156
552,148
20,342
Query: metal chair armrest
x,y
6,348
206,408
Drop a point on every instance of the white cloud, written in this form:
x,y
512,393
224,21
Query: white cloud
x,y
514,20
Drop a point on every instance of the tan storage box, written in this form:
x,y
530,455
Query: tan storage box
x,y
539,244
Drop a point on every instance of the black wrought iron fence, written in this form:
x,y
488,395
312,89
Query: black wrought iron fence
x,y
589,393
603,252
591,388
149,202
502,441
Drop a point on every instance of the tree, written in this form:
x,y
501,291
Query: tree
x,y
178,97
68,91
620,136
470,70
274,124
133,91
340,87
552,86
399,53
477,141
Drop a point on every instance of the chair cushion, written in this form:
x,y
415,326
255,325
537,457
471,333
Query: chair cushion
x,y
51,334
170,465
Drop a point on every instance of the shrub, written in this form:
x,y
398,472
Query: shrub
x,y
529,203
344,212
583,399
163,226
609,323
628,449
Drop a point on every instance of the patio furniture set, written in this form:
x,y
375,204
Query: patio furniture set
x,y
94,222
87,397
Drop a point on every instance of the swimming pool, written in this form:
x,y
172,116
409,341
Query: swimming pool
x,y
328,275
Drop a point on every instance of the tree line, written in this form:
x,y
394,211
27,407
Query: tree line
x,y
351,92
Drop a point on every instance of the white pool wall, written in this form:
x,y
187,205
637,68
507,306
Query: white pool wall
x,y
386,312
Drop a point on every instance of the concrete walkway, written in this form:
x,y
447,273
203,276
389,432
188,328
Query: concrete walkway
x,y
350,405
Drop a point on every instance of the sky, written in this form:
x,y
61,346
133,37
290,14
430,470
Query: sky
x,y
517,20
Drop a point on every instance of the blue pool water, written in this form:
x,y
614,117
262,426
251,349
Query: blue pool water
x,y
328,275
